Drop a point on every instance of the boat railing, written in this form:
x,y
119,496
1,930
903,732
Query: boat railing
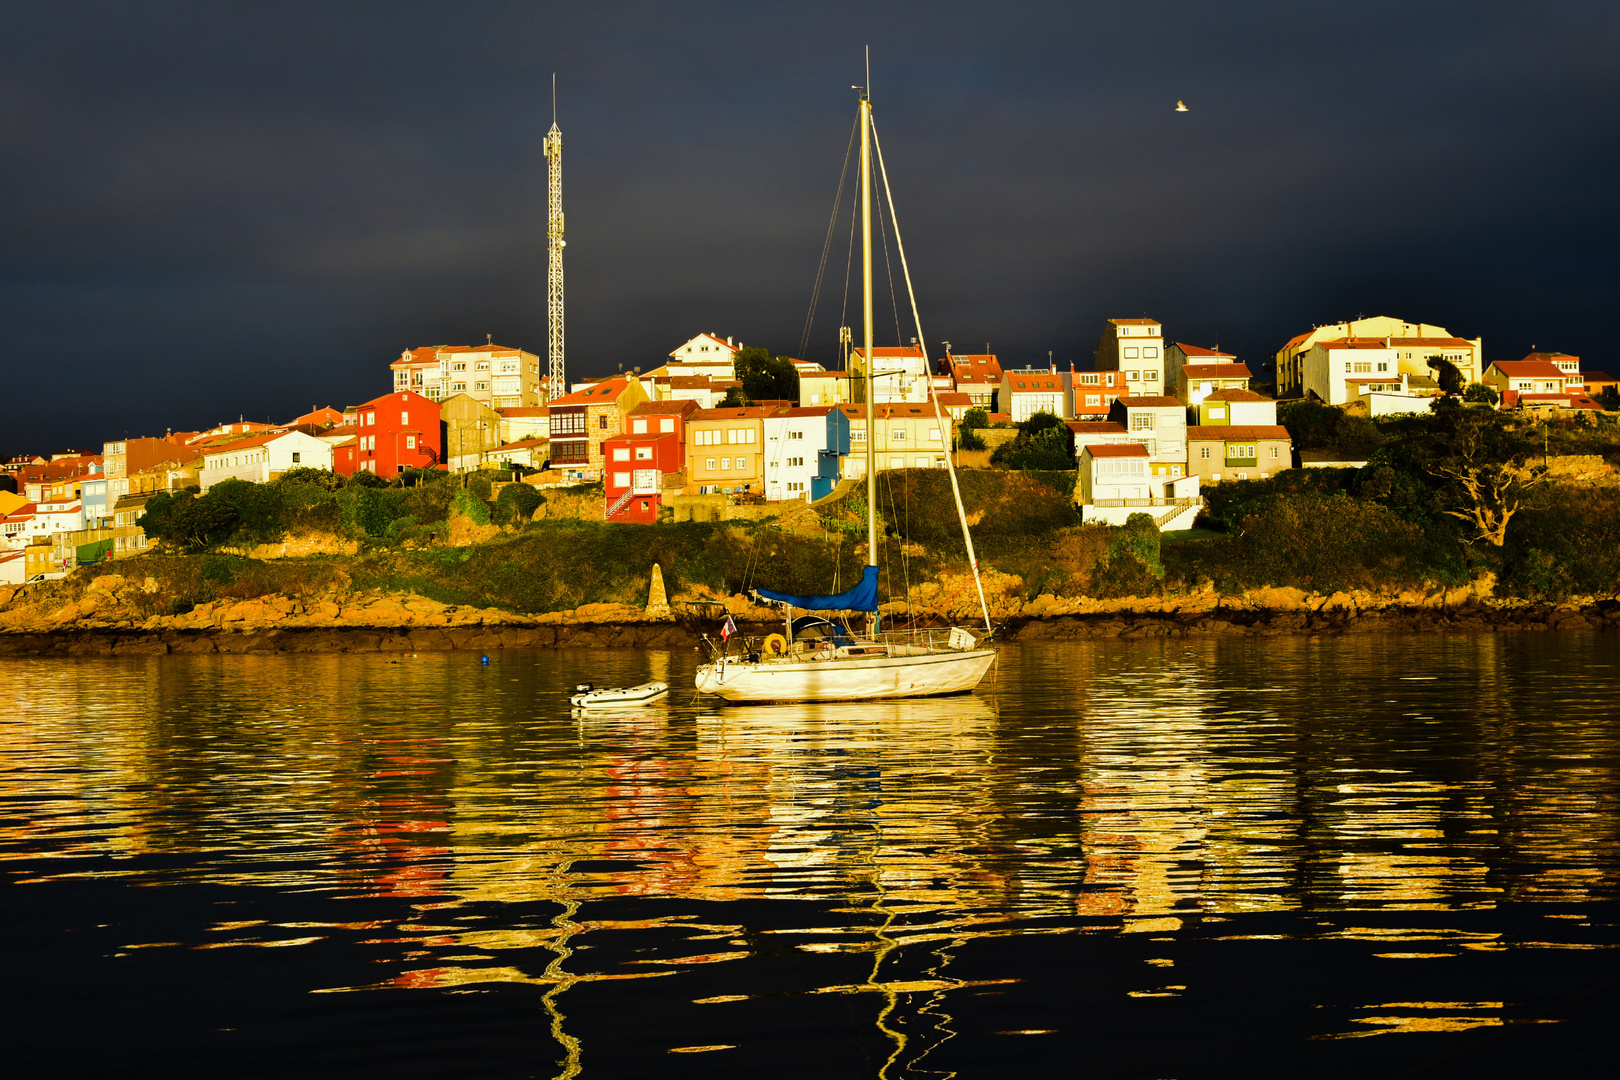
x,y
933,638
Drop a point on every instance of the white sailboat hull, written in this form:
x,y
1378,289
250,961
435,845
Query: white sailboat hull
x,y
852,679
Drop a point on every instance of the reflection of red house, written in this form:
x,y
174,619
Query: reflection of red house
x,y
396,432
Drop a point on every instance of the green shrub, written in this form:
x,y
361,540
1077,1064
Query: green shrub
x,y
468,505
516,503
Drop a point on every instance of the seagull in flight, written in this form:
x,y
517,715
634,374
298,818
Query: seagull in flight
x,y
1180,105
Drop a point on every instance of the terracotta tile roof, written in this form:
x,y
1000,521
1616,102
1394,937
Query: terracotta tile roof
x,y
746,412
805,410
1195,350
1235,394
1134,322
664,408
1237,433
1216,371
1095,427
1154,401
947,398
1453,342
394,396
524,444
879,351
1130,449
245,444
532,410
699,382
596,394
1528,369
1354,343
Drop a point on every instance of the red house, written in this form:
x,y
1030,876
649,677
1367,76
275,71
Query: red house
x,y
395,432
636,463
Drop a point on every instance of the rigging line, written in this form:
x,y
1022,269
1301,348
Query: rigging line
x,y
894,305
826,246
950,464
849,266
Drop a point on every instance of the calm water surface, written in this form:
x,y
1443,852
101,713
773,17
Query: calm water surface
x,y
1352,856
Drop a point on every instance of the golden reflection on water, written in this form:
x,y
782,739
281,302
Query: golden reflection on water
x,y
1126,786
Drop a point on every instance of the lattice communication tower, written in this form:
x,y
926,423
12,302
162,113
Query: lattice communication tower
x,y
556,386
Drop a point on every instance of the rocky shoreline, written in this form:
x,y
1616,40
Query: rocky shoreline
x,y
364,624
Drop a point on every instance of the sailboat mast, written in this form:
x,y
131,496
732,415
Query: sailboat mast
x,y
866,309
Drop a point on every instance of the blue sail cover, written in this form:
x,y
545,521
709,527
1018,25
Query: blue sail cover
x,y
862,597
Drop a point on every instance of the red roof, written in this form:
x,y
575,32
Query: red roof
x,y
1216,371
1154,401
522,444
1453,342
948,398
891,350
804,410
1134,322
1095,427
1528,369
1194,350
1237,433
664,408
536,410
596,394
1234,394
1130,449
1355,343
403,395
746,412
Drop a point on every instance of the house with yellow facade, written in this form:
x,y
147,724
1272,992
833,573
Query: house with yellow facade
x,y
725,451
908,436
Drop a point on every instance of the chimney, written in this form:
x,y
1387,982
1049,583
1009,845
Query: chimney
x,y
728,339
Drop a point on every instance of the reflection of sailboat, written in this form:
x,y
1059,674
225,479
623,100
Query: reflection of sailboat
x,y
836,665
826,721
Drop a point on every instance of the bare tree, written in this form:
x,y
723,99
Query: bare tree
x,y
1494,491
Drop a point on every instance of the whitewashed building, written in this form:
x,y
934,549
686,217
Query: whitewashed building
x,y
899,373
1338,371
795,440
261,458
1024,393
1159,423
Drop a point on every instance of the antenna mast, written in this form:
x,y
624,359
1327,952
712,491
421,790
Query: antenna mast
x,y
556,385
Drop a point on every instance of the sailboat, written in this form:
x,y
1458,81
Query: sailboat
x,y
818,658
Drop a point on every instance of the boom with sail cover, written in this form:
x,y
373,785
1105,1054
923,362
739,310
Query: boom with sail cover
x,y
863,597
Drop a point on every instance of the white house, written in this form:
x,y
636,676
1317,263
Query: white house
x,y
1237,407
899,373
51,518
705,354
794,440
1159,423
1113,472
1335,371
263,457
1025,393
1135,349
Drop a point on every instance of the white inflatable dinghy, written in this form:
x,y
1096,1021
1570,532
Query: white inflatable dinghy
x,y
587,696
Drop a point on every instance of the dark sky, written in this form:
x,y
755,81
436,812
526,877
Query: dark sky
x,y
210,210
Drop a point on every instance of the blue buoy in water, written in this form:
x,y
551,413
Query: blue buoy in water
x,y
484,660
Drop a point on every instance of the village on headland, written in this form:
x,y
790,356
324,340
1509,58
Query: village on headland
x,y
1154,434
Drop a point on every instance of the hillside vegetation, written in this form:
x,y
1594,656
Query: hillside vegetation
x,y
1445,500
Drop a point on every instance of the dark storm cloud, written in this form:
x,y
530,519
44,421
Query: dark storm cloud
x,y
212,210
